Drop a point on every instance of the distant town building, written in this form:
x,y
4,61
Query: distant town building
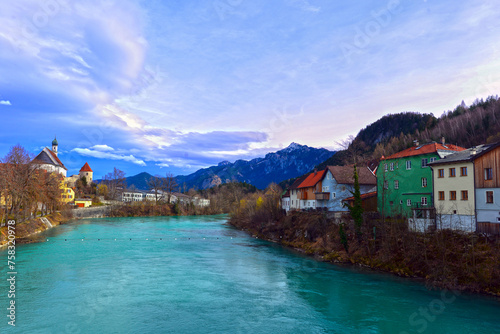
x,y
137,196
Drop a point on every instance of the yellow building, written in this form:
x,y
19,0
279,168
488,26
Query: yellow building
x,y
67,194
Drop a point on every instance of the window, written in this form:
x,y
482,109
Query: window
x,y
423,200
424,182
408,164
489,197
432,159
441,195
465,195
386,184
385,167
325,189
452,172
401,202
441,173
424,163
463,171
488,173
396,184
408,202
392,166
333,195
453,195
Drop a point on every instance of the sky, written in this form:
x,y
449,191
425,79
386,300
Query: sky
x,y
174,86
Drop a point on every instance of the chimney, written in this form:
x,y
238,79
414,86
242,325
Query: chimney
x,y
416,142
443,140
473,151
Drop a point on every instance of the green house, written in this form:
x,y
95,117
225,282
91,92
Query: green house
x,y
404,180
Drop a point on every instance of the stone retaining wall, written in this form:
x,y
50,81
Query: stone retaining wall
x,y
96,212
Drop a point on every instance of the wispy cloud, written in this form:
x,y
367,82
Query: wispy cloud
x,y
108,155
5,103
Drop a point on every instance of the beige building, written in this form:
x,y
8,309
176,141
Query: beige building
x,y
454,192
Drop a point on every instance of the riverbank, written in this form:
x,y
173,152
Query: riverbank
x,y
27,231
444,259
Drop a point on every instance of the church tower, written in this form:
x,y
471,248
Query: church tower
x,y
54,145
87,173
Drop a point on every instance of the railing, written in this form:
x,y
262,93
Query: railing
x,y
322,196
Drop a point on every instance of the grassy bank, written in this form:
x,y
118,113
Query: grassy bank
x,y
445,259
27,230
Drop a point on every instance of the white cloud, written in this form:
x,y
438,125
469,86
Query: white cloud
x,y
102,148
107,155
5,103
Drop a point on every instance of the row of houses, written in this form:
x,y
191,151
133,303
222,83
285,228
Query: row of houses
x,y
328,189
174,197
434,186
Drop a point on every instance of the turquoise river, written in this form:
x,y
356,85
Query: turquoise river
x,y
199,275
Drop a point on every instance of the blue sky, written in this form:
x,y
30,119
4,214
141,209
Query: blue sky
x,y
174,86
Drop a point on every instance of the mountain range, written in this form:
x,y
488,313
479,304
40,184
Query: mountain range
x,y
293,161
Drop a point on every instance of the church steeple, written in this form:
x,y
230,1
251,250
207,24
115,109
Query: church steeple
x,y
54,145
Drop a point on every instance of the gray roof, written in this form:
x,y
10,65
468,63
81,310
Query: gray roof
x,y
469,154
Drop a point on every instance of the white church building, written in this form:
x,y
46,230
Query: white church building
x,y
48,160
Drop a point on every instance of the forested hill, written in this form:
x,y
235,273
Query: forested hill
x,y
464,126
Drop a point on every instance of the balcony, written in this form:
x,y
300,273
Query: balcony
x,y
322,196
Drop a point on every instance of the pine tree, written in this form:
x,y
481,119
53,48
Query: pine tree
x,y
356,209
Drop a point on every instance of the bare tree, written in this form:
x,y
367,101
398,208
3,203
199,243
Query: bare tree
x,y
155,184
20,177
354,149
169,185
116,183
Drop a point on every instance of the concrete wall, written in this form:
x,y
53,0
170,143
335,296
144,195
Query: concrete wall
x,y
92,212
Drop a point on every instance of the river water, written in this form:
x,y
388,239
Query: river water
x,y
199,275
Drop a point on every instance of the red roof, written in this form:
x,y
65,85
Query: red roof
x,y
86,168
425,149
312,179
363,196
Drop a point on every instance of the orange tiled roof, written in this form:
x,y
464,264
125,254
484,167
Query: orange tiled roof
x,y
312,179
425,149
86,168
296,183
